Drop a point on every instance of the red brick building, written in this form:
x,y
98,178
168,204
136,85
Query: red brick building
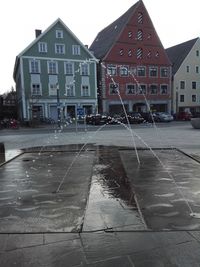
x,y
133,63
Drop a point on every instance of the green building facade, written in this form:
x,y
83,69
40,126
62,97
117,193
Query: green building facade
x,y
55,74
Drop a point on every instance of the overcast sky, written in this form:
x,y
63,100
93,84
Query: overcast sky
x,y
175,21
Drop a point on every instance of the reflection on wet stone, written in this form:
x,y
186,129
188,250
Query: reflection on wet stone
x,y
123,195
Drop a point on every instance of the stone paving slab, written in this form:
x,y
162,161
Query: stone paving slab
x,y
102,250
28,198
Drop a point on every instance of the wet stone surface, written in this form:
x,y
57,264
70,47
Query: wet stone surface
x,y
93,188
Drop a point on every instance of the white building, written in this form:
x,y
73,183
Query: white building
x,y
185,58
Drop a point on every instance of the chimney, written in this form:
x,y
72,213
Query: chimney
x,y
86,46
37,33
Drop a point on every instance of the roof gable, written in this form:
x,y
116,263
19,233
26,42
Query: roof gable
x,y
178,53
61,25
108,35
115,38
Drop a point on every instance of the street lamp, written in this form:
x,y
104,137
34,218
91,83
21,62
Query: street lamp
x,y
58,104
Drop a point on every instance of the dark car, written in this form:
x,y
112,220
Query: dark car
x,y
97,119
133,117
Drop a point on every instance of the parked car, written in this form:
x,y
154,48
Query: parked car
x,y
133,117
162,117
97,119
184,116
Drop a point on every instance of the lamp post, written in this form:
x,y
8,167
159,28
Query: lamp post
x,y
58,104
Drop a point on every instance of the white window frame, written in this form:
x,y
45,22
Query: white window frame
x,y
59,34
69,67
76,50
182,82
140,90
70,90
36,91
52,69
131,91
183,98
112,70
153,69
60,49
85,71
34,66
141,68
113,90
42,47
165,71
124,71
82,90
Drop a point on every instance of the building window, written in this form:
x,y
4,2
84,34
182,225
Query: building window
x,y
70,92
182,84
76,50
182,98
59,34
121,52
153,89
149,36
34,66
52,67
140,18
130,89
84,69
142,89
157,54
197,53
85,90
187,68
35,89
141,71
112,70
53,85
153,71
194,98
42,47
194,85
197,69
59,48
139,53
123,71
164,72
140,35
129,52
69,68
113,88
129,34
149,54
163,89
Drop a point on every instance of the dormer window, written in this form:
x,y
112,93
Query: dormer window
x,y
59,34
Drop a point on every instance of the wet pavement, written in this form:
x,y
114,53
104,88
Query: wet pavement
x,y
89,205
